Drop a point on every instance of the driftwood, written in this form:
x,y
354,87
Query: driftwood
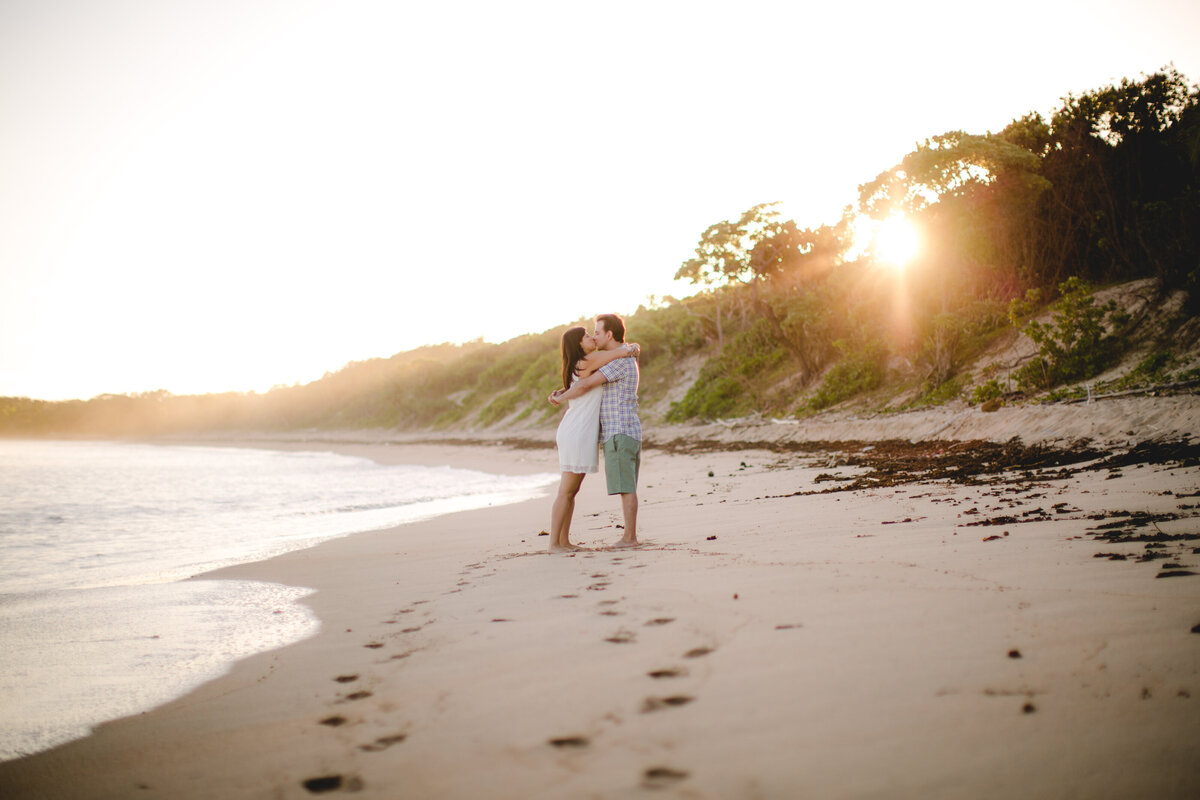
x,y
1146,390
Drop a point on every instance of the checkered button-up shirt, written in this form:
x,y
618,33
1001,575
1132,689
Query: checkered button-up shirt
x,y
619,406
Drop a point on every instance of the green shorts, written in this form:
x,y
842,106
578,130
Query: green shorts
x,y
622,459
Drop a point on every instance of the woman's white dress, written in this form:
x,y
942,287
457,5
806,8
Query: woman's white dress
x,y
579,433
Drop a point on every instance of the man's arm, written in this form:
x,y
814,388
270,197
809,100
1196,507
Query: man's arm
x,y
596,359
581,387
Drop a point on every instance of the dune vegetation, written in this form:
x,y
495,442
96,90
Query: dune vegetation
x,y
1058,256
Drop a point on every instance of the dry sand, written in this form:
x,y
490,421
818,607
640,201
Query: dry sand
x,y
762,644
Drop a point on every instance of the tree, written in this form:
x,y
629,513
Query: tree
x,y
974,197
1124,201
760,245
819,250
953,165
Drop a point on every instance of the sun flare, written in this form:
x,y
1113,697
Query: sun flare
x,y
896,242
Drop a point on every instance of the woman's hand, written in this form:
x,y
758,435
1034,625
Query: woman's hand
x,y
553,398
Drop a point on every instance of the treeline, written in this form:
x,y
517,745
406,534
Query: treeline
x,y
791,320
1105,190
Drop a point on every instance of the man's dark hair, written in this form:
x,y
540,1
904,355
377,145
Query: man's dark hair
x,y
614,325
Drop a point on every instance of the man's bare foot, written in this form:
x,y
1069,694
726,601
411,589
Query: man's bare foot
x,y
566,548
626,543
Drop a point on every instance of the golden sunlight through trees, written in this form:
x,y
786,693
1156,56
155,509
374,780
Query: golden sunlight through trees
x,y
896,242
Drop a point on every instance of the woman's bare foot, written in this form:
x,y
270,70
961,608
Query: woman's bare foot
x,y
566,548
626,543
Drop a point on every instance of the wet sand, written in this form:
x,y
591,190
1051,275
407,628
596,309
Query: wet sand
x,y
858,620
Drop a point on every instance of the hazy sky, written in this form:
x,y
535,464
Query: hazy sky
x,y
229,194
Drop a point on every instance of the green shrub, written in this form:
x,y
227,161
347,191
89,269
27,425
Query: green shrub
x,y
1020,308
1187,375
711,397
450,416
943,392
942,349
809,323
1151,370
727,384
990,390
1076,344
953,338
666,332
501,406
861,369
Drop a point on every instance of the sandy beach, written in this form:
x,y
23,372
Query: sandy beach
x,y
860,621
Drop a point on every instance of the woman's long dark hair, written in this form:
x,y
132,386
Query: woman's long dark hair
x,y
572,352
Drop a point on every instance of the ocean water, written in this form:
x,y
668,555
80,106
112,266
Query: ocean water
x,y
96,539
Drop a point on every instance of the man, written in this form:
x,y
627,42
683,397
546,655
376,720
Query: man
x,y
620,428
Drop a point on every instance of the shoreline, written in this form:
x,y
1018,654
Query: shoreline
x,y
855,643
82,655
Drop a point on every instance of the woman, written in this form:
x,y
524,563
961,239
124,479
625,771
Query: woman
x,y
579,430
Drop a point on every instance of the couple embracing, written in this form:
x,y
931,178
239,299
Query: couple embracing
x,y
600,382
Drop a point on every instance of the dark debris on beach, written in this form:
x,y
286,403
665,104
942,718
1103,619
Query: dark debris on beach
x,y
1019,468
898,462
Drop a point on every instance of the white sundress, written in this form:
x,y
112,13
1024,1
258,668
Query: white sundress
x,y
579,433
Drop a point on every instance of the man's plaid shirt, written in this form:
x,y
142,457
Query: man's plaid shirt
x,y
619,405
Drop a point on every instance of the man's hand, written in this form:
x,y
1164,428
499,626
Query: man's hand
x,y
579,388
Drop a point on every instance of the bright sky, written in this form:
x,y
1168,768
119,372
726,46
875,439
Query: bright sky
x,y
211,195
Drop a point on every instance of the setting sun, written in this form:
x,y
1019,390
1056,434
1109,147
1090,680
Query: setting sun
x,y
896,242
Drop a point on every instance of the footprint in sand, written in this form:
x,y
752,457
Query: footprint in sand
x,y
332,783
333,722
697,652
363,695
662,777
569,742
383,743
659,703
621,637
660,621
373,645
667,673
346,678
